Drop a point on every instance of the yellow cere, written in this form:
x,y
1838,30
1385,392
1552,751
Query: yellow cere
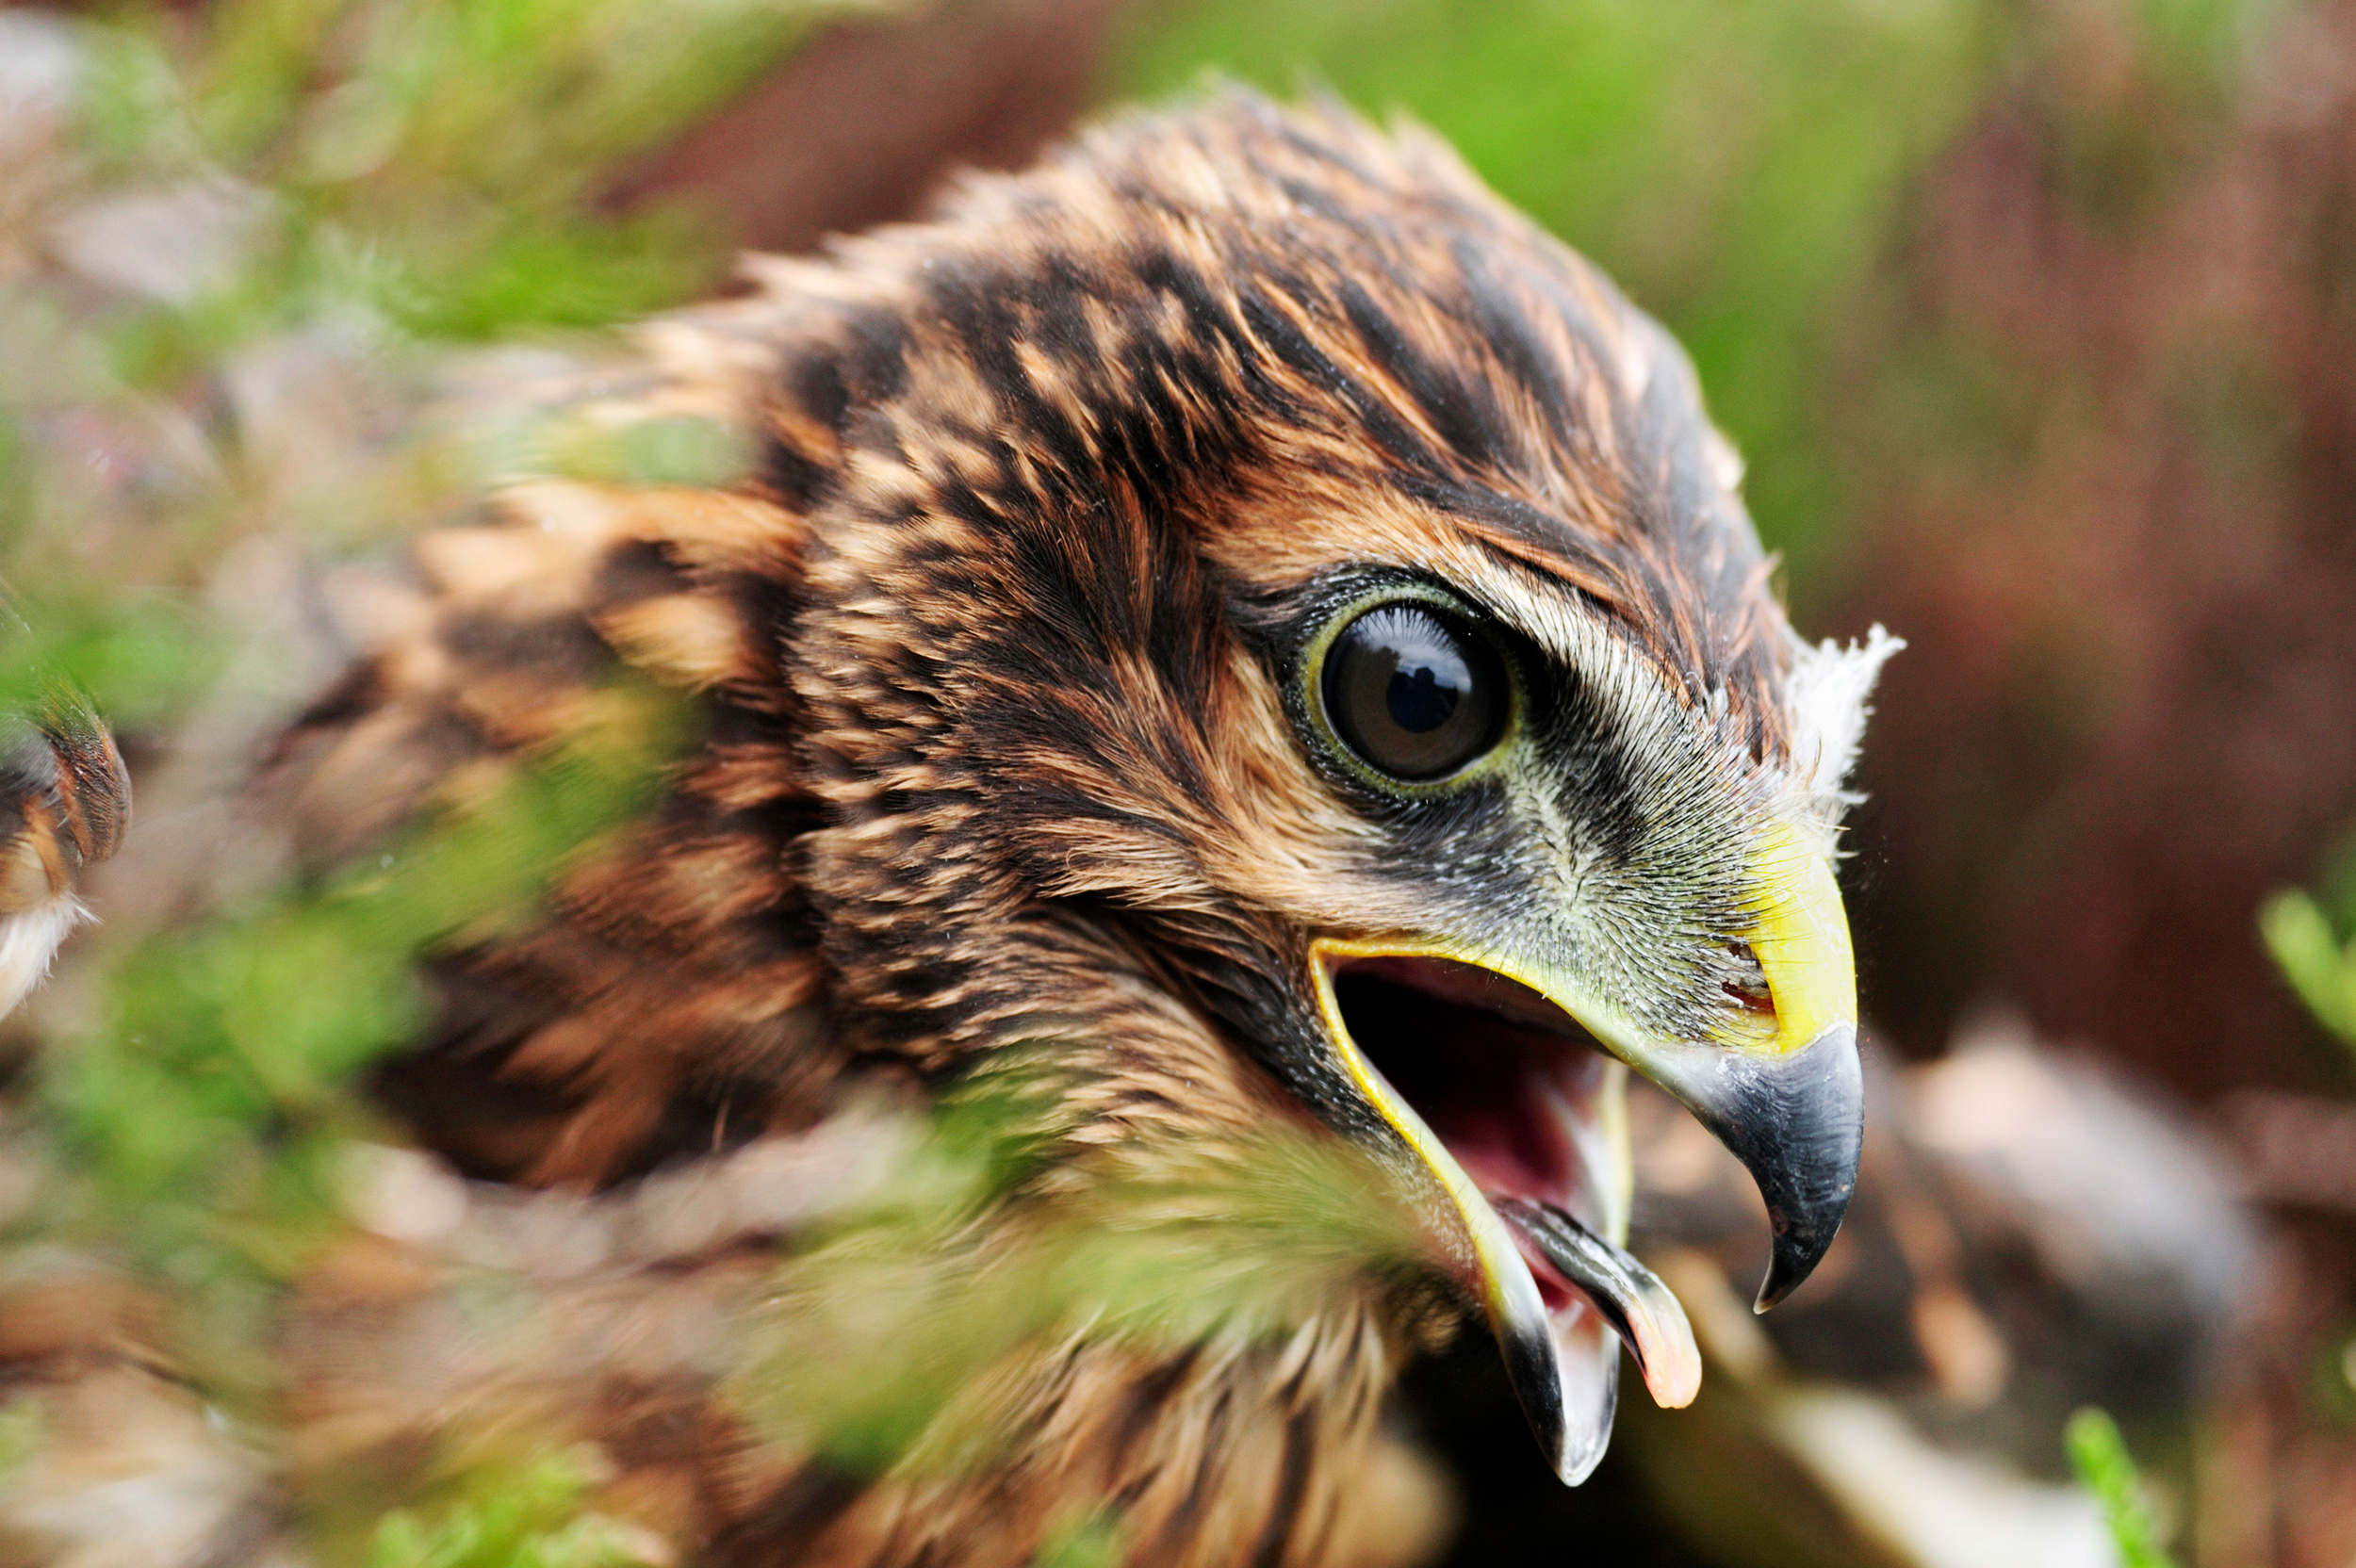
x,y
1801,941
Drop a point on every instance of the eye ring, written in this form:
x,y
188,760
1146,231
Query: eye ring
x,y
1413,690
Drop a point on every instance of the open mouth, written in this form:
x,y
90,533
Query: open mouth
x,y
1521,1099
1482,1059
1507,1079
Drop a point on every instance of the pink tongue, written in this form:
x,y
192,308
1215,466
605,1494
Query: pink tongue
x,y
1645,1312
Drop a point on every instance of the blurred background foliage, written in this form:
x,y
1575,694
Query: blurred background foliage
x,y
2035,320
2313,939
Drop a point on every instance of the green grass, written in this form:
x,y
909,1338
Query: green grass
x,y
2099,1454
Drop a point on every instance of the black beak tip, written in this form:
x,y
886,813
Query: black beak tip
x,y
1798,1124
1823,1117
1797,1252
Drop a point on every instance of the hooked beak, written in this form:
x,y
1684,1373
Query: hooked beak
x,y
1486,1065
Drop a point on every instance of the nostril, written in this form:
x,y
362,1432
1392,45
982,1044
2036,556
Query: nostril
x,y
1748,985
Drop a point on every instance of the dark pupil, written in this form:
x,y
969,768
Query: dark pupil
x,y
1412,693
1420,701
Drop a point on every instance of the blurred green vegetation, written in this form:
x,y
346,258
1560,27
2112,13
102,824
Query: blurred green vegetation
x,y
526,1515
202,1124
2099,1455
916,1299
442,161
2312,939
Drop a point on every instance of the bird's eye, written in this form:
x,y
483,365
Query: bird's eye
x,y
1414,691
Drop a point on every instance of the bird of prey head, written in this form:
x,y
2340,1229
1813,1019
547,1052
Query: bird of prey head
x,y
1236,599
1245,554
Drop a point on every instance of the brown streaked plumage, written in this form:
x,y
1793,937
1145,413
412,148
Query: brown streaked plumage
x,y
1012,660
1203,392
